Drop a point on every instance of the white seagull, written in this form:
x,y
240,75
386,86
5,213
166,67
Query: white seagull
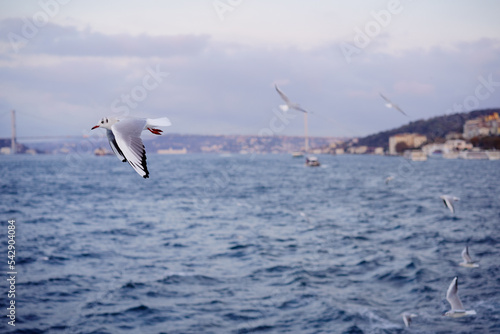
x,y
457,308
407,318
448,202
289,104
389,104
389,179
124,135
468,263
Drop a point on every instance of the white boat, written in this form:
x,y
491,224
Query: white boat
x,y
312,162
297,154
493,155
415,155
101,151
474,155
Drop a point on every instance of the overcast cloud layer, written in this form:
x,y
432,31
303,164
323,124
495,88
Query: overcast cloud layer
x,y
66,71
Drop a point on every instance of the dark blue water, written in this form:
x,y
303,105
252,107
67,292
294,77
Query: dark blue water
x,y
249,244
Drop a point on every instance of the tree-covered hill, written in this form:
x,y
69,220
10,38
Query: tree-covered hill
x,y
433,128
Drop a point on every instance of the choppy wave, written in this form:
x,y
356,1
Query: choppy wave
x,y
250,244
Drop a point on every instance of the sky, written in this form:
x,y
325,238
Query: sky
x,y
210,66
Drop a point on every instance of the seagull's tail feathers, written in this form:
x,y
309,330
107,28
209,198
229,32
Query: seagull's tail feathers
x,y
163,121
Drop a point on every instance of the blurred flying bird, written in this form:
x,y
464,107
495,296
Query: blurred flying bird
x,y
467,259
289,104
448,202
457,308
407,318
390,104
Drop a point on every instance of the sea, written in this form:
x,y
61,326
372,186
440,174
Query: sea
x,y
247,244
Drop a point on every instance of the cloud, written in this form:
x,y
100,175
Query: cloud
x,y
70,41
413,87
215,87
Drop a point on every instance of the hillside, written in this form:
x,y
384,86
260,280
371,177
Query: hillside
x,y
433,128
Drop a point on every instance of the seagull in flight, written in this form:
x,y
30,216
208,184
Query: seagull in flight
x,y
457,308
289,104
468,263
389,179
407,318
448,202
124,135
389,104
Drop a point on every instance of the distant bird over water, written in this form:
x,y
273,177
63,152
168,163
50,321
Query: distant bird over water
x,y
390,104
124,135
289,104
448,202
407,318
457,308
468,263
389,179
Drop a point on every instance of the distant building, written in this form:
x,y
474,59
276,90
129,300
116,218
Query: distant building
x,y
411,140
482,126
339,151
453,135
316,151
449,146
379,151
457,145
5,150
357,149
172,151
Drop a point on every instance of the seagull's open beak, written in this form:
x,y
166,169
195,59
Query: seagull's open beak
x,y
95,127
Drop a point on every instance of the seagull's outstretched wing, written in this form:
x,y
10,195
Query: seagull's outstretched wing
x,y
466,256
390,104
299,108
448,203
386,99
283,96
399,109
114,146
452,296
127,133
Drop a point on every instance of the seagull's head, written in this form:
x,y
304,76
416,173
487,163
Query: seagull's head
x,y
106,123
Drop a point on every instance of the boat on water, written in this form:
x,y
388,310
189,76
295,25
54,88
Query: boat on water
x,y
474,155
493,155
312,162
297,154
101,151
415,155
